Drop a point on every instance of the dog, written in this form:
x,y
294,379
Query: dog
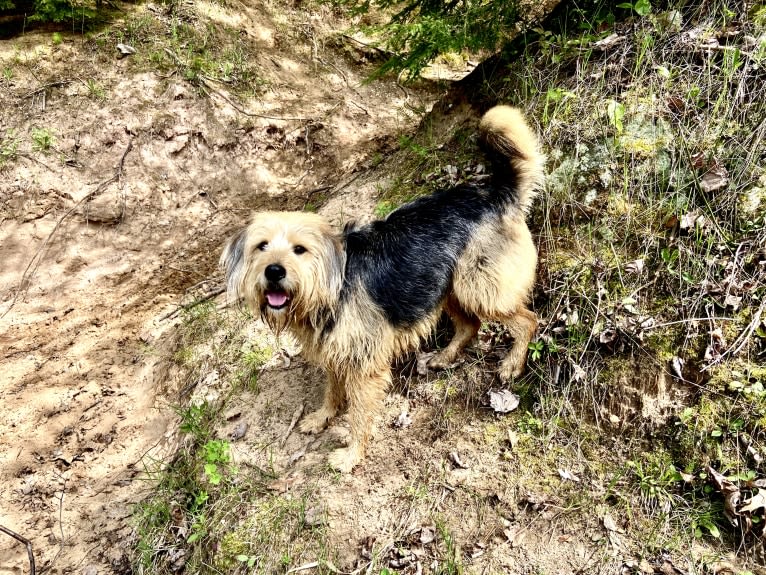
x,y
359,299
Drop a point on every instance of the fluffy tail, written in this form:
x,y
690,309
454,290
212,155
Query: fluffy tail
x,y
513,149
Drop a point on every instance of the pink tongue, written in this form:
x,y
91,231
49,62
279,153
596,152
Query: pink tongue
x,y
276,299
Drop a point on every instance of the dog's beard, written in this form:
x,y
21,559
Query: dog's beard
x,y
278,308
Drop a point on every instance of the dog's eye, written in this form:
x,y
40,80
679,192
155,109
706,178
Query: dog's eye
x,y
298,250
262,246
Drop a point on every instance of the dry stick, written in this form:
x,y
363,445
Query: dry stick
x,y
34,263
208,296
296,417
46,87
742,339
26,542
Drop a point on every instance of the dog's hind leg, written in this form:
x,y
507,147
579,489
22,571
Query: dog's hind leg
x,y
466,327
365,396
522,324
334,398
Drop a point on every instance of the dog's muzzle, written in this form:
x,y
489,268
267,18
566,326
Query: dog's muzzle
x,y
276,296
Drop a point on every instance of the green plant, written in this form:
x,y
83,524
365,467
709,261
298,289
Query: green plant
x,y
657,480
640,7
615,112
451,563
420,30
95,90
540,347
60,10
215,453
556,100
8,148
42,139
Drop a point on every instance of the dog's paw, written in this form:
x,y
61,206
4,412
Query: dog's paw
x,y
344,460
314,422
440,361
510,369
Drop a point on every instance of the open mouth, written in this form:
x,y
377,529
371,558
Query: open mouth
x,y
277,299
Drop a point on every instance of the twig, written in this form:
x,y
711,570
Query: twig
x,y
47,87
33,159
742,339
195,303
316,191
296,417
36,260
26,542
241,110
370,46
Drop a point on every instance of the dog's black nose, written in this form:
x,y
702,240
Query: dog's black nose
x,y
274,272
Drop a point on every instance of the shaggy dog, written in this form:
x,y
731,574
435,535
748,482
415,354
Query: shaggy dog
x,y
357,300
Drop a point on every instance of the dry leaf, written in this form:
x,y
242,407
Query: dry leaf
x,y
503,401
404,420
732,301
731,495
635,267
607,336
757,501
610,523
455,458
423,359
609,42
691,220
427,535
714,180
567,475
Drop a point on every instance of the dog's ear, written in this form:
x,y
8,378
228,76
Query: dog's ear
x,y
334,258
233,263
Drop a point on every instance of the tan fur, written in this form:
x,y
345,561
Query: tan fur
x,y
492,281
506,130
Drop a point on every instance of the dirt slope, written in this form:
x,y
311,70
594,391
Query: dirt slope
x,y
106,225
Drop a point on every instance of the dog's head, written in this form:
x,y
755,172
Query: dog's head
x,y
285,265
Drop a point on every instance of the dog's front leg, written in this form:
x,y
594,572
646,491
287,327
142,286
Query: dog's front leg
x,y
365,396
334,397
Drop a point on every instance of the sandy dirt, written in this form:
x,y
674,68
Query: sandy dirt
x,y
105,233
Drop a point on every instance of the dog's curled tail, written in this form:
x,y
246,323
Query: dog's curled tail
x,y
514,150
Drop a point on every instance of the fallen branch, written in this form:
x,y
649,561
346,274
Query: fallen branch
x,y
26,542
37,259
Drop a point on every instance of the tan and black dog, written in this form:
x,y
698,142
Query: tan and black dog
x,y
356,300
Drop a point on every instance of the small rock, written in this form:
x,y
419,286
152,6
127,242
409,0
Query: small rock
x,y
239,431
